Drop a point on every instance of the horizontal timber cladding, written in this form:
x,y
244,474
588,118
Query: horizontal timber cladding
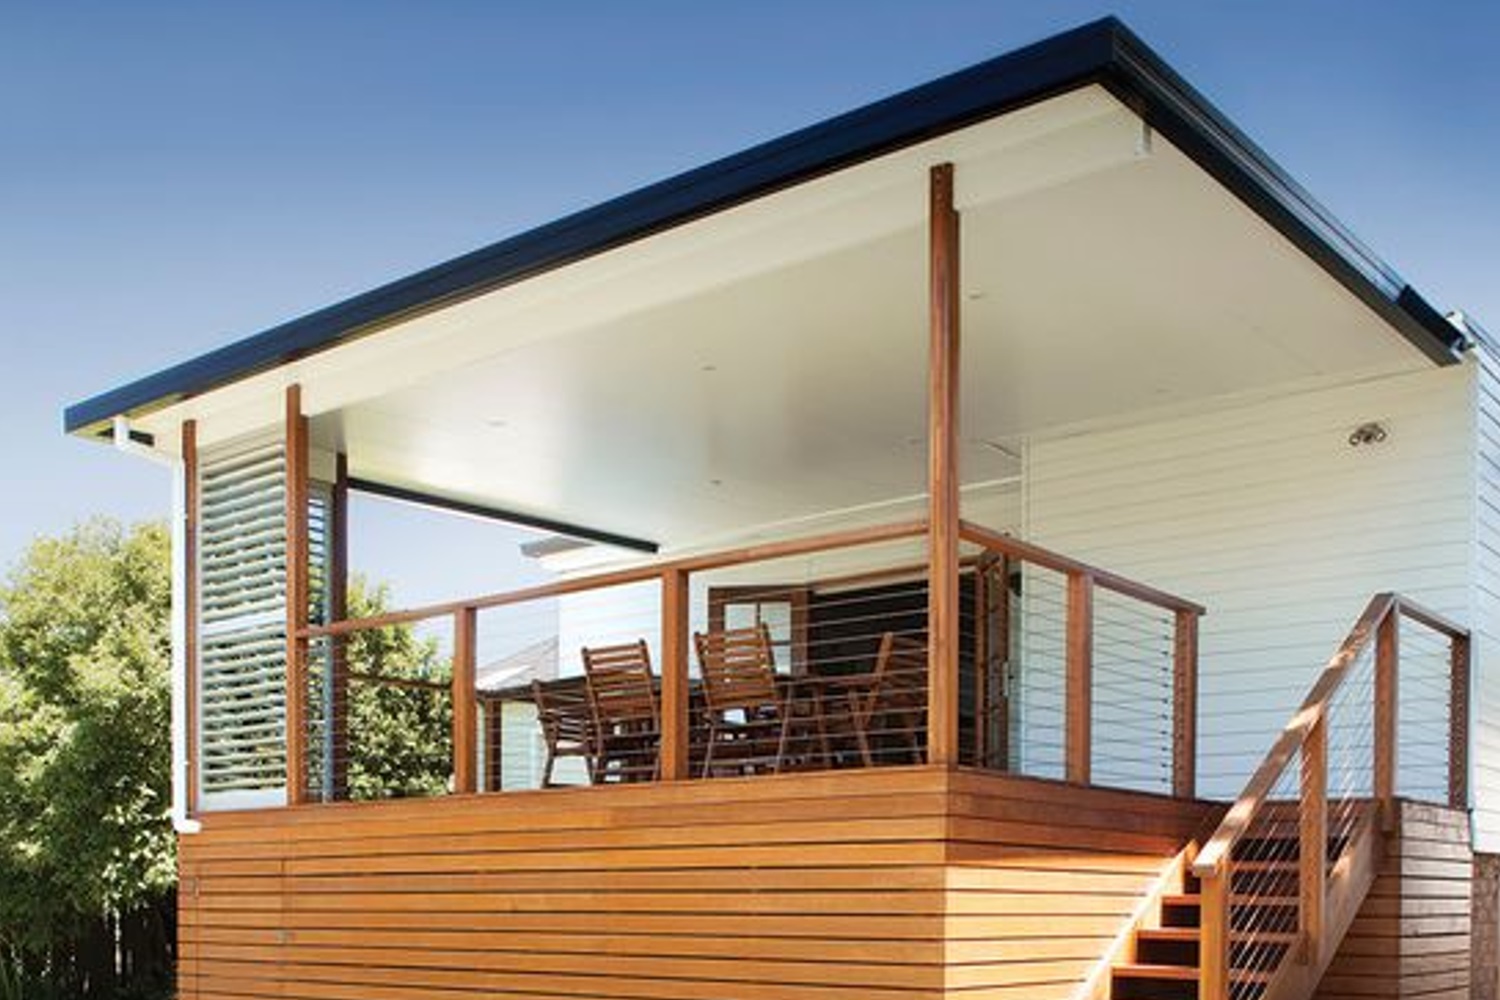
x,y
901,882
1411,936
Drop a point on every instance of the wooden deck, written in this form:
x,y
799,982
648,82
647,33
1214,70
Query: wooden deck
x,y
890,883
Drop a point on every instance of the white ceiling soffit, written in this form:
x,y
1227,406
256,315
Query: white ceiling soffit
x,y
767,364
1042,145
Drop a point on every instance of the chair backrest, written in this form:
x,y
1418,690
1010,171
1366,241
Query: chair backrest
x,y
562,711
621,692
900,677
739,669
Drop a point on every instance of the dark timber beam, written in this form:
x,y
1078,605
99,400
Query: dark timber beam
x,y
422,499
942,470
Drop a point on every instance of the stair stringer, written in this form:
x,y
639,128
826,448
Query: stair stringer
x,y
1346,888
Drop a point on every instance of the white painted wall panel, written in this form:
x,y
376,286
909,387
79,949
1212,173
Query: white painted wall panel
x,y
1261,510
1485,713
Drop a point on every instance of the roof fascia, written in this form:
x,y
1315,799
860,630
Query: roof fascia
x,y
1103,51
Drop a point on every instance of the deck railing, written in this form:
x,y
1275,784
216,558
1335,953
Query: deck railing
x,y
1104,678
843,619
1282,875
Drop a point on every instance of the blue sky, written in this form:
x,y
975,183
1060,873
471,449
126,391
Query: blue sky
x,y
175,176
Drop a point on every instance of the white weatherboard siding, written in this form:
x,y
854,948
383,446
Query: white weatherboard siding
x,y
1263,512
1485,714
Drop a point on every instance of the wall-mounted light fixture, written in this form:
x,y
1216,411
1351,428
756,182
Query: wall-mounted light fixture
x,y
1373,432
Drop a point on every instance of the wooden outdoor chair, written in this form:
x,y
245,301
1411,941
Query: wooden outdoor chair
x,y
562,712
889,714
750,717
627,723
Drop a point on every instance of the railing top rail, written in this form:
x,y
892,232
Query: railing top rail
x,y
1438,623
633,574
1031,553
993,540
1313,708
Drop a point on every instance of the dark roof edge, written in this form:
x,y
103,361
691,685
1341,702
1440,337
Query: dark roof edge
x,y
1103,51
1169,104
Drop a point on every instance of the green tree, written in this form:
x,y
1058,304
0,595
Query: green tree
x,y
87,860
85,832
400,736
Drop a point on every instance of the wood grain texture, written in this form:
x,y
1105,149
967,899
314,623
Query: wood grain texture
x,y
1387,660
295,443
1079,683
1185,704
1411,935
465,706
909,882
674,675
943,597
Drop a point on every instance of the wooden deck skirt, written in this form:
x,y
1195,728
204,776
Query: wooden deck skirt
x,y
888,883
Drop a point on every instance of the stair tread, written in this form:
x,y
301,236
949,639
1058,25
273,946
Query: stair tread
x,y
1193,933
1194,899
1141,971
1184,973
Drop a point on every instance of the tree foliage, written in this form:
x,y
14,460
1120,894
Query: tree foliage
x,y
87,861
85,832
400,738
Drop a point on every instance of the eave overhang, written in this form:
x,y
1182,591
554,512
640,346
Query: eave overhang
x,y
1104,52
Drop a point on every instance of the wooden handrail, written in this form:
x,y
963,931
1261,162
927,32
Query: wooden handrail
x,y
1313,709
1306,737
672,574
622,577
1027,552
1425,616
1289,744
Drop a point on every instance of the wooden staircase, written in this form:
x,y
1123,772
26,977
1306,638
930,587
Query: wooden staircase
x,y
1166,950
1265,904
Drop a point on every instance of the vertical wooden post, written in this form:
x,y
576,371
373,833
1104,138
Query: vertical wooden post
x,y
1185,705
1458,722
1313,838
1213,944
999,622
189,557
1387,655
674,675
982,639
338,610
942,470
296,596
1078,739
494,746
465,706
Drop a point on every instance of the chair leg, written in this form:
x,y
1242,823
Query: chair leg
x,y
860,736
547,766
786,725
708,751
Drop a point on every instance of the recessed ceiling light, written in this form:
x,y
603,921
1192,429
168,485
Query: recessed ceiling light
x,y
497,423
